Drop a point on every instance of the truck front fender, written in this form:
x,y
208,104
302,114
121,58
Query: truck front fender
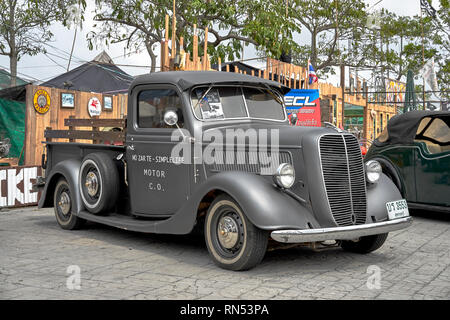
x,y
265,205
377,195
69,170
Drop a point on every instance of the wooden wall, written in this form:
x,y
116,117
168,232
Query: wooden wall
x,y
54,117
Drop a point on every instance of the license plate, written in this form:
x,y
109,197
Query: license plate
x,y
397,209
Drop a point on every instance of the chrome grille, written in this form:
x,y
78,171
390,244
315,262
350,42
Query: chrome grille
x,y
343,175
248,161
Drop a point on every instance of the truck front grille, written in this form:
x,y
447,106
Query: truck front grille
x,y
248,161
343,175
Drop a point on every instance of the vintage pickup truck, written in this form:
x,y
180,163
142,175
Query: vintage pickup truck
x,y
266,180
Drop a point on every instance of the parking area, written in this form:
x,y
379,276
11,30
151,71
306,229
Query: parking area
x,y
38,260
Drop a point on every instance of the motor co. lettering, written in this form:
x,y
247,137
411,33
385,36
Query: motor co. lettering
x,y
155,173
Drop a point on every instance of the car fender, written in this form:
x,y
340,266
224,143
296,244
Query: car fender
x,y
264,204
377,195
69,169
389,167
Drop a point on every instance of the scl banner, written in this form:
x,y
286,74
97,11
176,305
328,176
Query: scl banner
x,y
306,104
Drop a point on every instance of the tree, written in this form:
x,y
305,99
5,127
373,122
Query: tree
x,y
24,27
328,22
232,24
405,33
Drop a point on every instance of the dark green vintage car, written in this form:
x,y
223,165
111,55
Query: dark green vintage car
x,y
414,151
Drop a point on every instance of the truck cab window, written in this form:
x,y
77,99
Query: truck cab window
x,y
152,104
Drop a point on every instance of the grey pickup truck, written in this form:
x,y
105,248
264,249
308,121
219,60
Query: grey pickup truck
x,y
215,151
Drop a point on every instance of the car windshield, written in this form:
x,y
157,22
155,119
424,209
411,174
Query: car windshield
x,y
236,102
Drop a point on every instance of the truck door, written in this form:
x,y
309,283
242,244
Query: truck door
x,y
158,183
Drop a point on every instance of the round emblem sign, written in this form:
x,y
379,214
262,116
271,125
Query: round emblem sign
x,y
94,107
41,101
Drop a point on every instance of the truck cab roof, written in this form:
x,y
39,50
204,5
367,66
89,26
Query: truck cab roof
x,y
188,79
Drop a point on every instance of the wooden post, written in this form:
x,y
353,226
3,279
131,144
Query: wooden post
x,y
236,70
187,64
219,64
95,129
205,50
166,32
48,129
227,68
174,32
165,58
195,48
71,128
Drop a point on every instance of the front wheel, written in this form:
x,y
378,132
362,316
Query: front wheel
x,y
365,244
233,242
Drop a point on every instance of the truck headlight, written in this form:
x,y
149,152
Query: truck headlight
x,y
373,171
285,176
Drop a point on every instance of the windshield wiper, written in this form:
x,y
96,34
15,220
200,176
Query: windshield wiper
x,y
273,94
204,95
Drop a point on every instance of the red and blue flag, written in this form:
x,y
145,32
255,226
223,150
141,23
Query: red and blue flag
x,y
312,74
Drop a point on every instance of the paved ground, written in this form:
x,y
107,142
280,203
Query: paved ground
x,y
35,255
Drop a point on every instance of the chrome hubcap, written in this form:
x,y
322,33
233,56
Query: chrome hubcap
x,y
91,183
64,203
227,232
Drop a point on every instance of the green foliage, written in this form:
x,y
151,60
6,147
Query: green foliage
x,y
329,23
24,27
232,24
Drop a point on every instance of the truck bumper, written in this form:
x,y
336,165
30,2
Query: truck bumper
x,y
340,233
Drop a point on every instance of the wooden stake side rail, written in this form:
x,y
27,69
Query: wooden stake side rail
x,y
71,122
95,134
85,134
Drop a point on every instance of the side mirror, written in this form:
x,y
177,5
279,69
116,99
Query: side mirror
x,y
293,119
170,118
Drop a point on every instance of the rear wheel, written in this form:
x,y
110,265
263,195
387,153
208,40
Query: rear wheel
x,y
233,242
365,244
98,182
62,203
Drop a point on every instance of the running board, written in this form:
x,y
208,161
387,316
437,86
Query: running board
x,y
122,221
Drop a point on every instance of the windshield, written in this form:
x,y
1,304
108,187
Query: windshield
x,y
236,102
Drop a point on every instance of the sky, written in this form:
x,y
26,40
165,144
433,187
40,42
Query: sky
x,y
44,67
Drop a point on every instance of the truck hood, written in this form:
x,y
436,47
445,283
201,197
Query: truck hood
x,y
288,136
